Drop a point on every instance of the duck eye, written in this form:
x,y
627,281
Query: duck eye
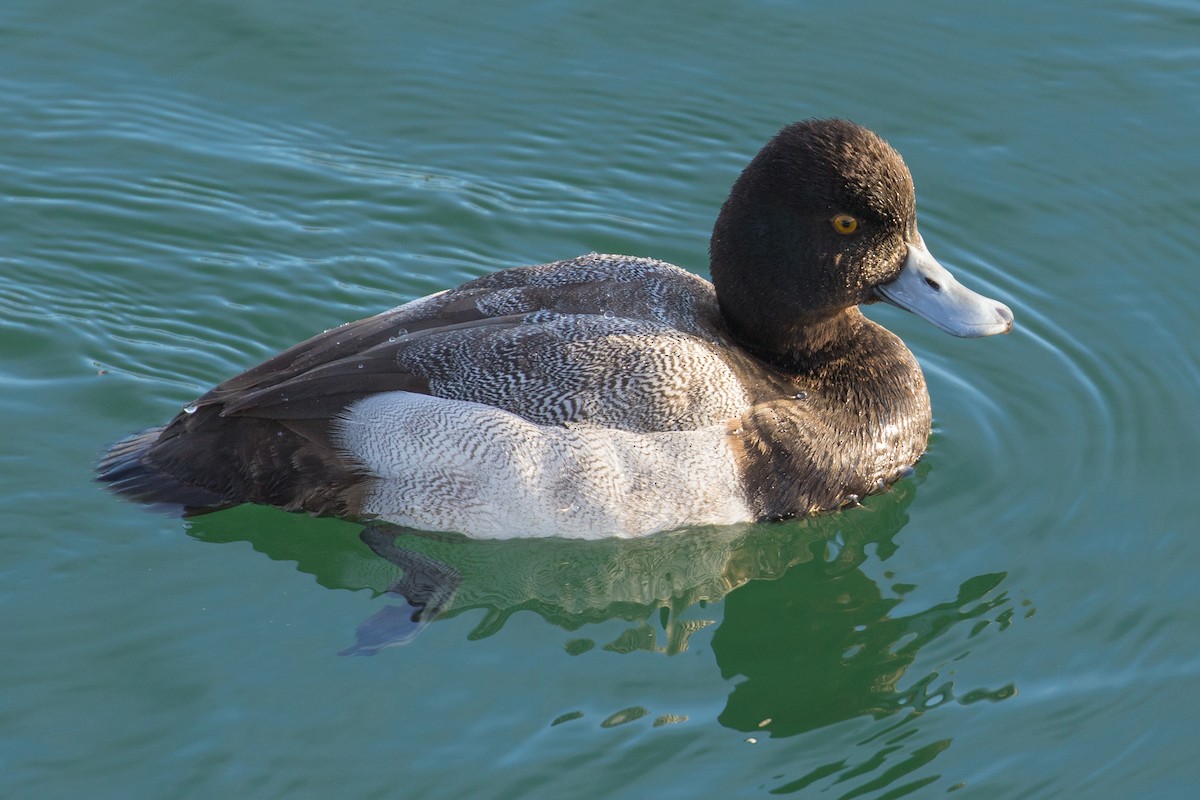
x,y
844,223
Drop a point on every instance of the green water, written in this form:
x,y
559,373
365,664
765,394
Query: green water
x,y
186,188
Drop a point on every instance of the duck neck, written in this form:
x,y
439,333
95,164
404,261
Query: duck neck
x,y
811,342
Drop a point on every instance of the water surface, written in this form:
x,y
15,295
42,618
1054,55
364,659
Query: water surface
x,y
188,188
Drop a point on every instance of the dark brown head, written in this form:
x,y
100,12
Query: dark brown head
x,y
823,219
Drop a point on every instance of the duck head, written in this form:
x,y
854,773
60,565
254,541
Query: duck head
x,y
822,220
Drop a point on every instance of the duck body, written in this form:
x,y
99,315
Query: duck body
x,y
604,395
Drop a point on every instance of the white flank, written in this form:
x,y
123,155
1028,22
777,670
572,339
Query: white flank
x,y
461,466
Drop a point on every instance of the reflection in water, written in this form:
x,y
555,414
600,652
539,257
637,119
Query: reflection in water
x,y
806,635
571,583
832,652
426,586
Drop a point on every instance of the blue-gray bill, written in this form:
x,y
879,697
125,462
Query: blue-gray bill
x,y
927,289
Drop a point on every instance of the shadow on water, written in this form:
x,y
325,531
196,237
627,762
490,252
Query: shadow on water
x,y
805,635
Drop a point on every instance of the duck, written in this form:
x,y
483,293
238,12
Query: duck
x,y
605,395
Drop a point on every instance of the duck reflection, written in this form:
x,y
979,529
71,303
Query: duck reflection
x,y
808,636
812,637
572,583
834,651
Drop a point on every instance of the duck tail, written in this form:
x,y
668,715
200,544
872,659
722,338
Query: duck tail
x,y
130,474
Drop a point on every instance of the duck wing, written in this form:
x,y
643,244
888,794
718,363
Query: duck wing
x,y
628,343
609,341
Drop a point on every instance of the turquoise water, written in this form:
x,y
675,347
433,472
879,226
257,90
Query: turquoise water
x,y
185,189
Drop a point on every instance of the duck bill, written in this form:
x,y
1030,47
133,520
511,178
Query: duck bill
x,y
927,289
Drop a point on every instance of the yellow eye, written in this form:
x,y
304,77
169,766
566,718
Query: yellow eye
x,y
844,223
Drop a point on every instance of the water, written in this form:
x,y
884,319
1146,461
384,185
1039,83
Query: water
x,y
188,188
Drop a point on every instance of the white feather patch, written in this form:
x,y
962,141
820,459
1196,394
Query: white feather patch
x,y
455,465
